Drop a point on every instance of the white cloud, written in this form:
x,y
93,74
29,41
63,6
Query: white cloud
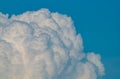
x,y
44,45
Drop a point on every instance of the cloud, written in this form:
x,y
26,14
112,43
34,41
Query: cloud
x,y
44,45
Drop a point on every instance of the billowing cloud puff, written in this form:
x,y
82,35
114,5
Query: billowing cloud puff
x,y
44,45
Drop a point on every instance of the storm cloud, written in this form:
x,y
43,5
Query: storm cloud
x,y
44,45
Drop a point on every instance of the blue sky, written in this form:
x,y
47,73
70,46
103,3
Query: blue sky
x,y
98,21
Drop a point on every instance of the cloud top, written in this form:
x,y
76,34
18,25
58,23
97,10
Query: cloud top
x,y
44,45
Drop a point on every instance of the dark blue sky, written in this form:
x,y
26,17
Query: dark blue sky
x,y
98,21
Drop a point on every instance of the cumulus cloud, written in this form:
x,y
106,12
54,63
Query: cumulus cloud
x,y
44,45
